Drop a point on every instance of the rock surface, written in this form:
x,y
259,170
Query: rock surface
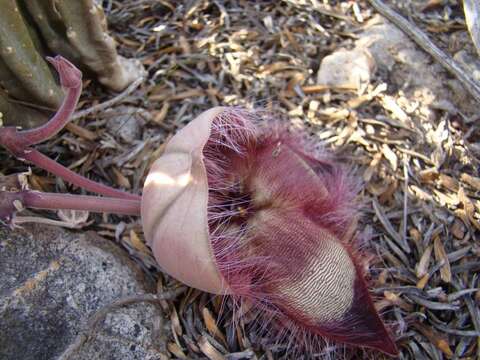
x,y
347,69
52,281
469,62
125,122
401,63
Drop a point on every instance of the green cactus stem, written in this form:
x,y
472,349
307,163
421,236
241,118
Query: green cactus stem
x,y
25,74
51,28
75,29
16,114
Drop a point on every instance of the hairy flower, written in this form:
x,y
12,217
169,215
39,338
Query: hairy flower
x,y
235,205
270,216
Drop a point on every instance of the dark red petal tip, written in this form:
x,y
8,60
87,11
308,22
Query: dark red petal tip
x,y
361,325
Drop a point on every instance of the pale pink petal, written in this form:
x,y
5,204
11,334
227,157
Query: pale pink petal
x,y
174,208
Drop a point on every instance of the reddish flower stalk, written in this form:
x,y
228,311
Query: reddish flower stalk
x,y
19,142
68,175
71,80
10,202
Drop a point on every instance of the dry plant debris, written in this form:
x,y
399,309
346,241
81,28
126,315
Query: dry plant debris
x,y
419,160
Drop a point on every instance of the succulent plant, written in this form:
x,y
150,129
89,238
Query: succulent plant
x,y
240,207
76,29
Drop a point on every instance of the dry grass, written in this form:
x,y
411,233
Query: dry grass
x,y
419,163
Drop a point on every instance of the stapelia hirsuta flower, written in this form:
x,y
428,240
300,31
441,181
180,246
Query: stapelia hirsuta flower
x,y
270,217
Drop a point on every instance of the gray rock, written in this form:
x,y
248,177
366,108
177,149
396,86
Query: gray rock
x,y
402,63
125,122
347,68
52,281
389,45
469,62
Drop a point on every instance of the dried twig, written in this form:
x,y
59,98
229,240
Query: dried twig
x,y
109,103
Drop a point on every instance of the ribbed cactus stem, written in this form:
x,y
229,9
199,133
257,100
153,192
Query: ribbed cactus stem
x,y
16,114
75,29
24,72
51,28
86,38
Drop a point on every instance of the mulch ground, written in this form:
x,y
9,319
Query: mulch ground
x,y
421,190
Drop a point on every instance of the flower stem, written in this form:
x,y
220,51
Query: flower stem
x,y
68,175
53,201
17,142
71,80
